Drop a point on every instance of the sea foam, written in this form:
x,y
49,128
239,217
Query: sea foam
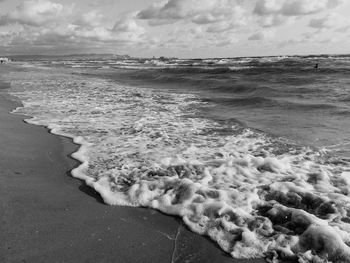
x,y
254,195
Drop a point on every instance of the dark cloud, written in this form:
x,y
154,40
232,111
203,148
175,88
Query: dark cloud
x,y
293,7
226,14
332,20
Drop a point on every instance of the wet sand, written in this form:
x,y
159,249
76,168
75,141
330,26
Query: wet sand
x,y
48,216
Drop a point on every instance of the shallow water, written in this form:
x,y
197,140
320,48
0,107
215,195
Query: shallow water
x,y
283,96
251,152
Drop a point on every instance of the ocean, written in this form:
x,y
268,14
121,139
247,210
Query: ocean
x,y
253,152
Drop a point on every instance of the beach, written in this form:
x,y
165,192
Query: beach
x,y
48,216
175,131
175,161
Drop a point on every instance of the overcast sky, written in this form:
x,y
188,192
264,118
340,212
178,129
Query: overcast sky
x,y
181,28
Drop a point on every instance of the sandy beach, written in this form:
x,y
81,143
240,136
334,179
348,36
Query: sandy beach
x,y
48,216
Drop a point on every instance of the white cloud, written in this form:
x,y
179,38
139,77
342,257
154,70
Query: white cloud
x,y
195,24
315,38
274,20
35,13
48,24
194,38
127,23
89,19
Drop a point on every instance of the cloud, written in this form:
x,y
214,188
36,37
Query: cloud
x,y
193,38
262,35
127,23
226,15
70,37
315,38
274,20
195,24
332,20
220,15
42,23
293,7
35,13
178,9
89,19
276,13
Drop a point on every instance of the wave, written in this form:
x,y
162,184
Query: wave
x,y
237,68
254,195
265,102
240,88
243,101
342,112
346,99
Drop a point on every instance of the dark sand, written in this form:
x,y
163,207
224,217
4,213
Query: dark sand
x,y
48,216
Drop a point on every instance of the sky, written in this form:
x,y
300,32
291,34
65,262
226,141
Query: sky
x,y
175,28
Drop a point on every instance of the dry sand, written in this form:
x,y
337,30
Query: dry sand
x,y
48,216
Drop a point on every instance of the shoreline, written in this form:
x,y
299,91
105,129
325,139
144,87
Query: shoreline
x,y
51,217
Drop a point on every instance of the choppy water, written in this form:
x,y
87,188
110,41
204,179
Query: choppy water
x,y
253,152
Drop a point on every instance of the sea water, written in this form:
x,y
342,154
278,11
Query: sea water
x,y
252,152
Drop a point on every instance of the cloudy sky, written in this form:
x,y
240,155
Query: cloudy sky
x,y
181,28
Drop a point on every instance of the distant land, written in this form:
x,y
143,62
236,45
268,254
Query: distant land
x,y
71,56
